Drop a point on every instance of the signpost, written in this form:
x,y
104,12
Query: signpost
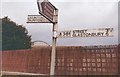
x,y
102,32
48,14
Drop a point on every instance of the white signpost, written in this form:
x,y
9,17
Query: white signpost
x,y
102,32
48,14
51,13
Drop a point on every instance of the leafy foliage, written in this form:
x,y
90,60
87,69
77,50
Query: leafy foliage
x,y
14,36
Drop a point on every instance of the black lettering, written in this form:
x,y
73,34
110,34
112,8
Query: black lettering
x,y
83,34
74,35
102,34
60,34
107,31
93,34
89,34
66,34
98,34
80,35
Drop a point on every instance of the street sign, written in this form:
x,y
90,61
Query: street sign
x,y
46,9
37,19
102,32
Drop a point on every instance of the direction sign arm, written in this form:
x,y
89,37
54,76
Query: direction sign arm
x,y
46,9
45,17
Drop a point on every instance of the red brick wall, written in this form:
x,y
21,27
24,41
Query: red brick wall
x,y
39,60
86,61
15,60
36,60
69,60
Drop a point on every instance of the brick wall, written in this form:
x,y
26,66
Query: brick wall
x,y
15,60
69,60
39,60
86,61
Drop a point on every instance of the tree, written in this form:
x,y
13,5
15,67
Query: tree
x,y
14,36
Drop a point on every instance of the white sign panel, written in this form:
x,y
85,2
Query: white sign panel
x,y
37,19
102,32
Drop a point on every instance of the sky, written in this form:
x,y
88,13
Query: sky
x,y
72,15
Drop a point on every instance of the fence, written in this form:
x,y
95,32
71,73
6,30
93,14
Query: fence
x,y
70,60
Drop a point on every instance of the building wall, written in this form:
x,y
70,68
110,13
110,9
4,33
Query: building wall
x,y
69,60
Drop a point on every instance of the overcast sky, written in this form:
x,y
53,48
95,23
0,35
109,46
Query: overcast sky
x,y
73,14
